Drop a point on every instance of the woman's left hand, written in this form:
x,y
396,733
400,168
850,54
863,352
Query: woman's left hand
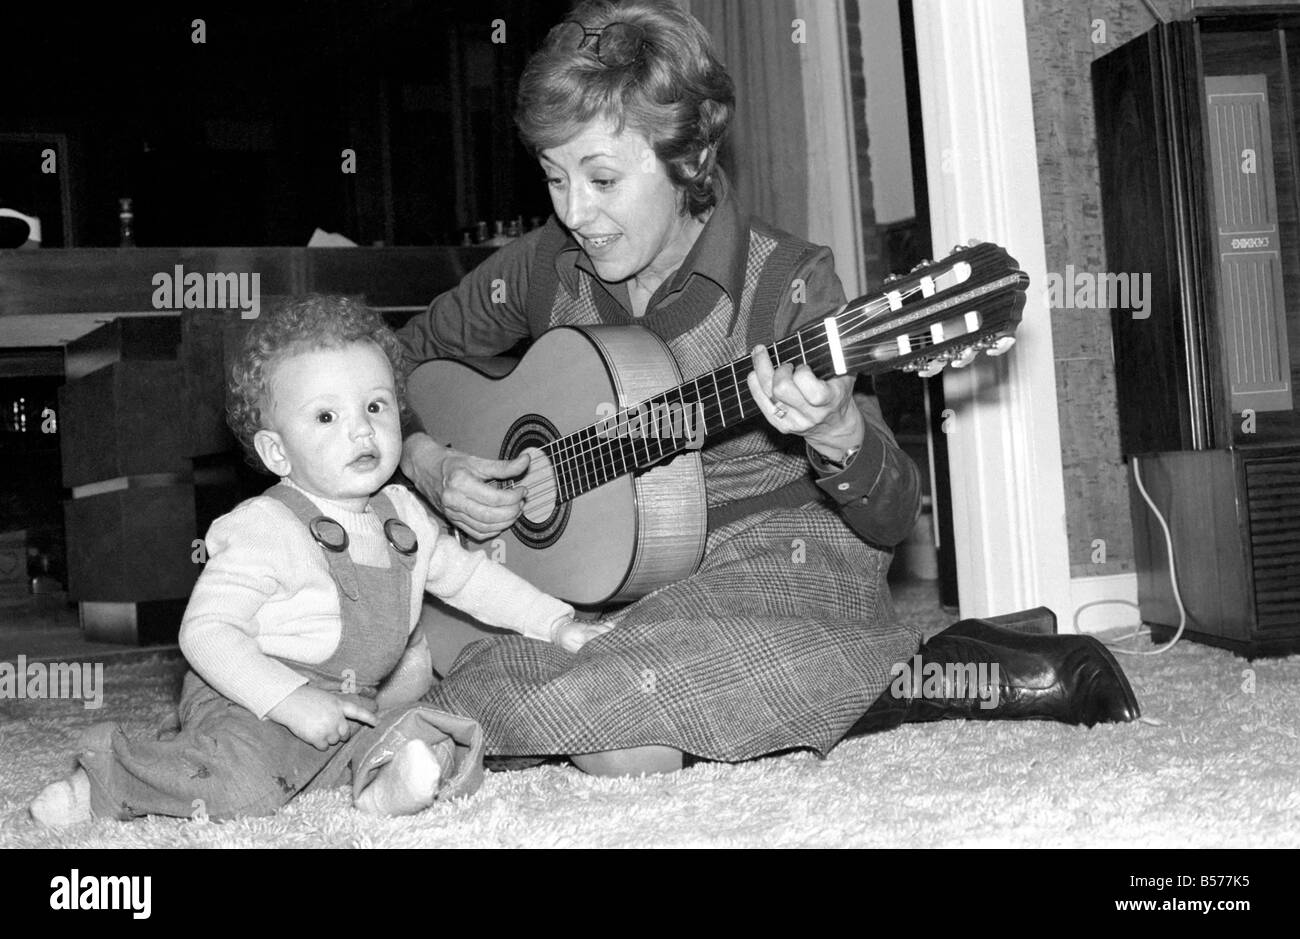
x,y
795,401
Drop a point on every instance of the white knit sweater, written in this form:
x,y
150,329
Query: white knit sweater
x,y
266,590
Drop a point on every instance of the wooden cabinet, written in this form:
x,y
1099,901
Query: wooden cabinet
x,y
1197,143
1196,138
146,455
1233,514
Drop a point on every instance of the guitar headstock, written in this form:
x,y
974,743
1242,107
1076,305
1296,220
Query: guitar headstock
x,y
939,314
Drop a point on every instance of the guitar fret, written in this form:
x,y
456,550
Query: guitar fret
x,y
606,459
628,445
698,423
599,464
648,428
717,394
638,435
685,420
571,466
585,466
568,468
625,434
574,467
789,353
556,468
735,383
617,448
574,464
667,415
657,413
802,354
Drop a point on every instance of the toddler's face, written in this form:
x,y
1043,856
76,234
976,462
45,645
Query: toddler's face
x,y
333,422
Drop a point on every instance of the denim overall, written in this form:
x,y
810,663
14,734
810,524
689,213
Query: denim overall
x,y
225,763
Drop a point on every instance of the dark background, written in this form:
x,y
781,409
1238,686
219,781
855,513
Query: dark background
x,y
238,141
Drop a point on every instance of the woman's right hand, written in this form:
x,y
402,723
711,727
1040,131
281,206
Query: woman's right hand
x,y
459,485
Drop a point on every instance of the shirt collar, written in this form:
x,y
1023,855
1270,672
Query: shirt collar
x,y
719,253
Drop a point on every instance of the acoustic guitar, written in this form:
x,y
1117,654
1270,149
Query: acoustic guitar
x,y
616,504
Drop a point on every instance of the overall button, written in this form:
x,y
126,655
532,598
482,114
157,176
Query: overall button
x,y
400,536
328,533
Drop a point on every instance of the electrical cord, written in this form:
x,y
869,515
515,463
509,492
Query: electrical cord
x,y
1173,580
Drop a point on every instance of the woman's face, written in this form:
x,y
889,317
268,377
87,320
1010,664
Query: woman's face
x,y
614,196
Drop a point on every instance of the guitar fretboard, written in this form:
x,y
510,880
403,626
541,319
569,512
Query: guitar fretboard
x,y
868,335
680,419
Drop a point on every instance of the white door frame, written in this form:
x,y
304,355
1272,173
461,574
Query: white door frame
x,y
1004,447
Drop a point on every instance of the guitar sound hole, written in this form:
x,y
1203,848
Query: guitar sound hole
x,y
545,517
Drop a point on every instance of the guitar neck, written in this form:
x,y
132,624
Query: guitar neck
x,y
679,419
718,400
965,304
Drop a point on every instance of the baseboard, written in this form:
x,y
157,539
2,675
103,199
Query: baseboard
x,y
1107,617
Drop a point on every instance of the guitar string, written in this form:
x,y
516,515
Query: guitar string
x,y
572,467
575,446
573,452
570,455
581,474
632,446
576,471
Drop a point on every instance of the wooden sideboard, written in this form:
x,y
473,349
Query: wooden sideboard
x,y
50,297
144,452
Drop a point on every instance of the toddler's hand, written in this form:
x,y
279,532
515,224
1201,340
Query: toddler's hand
x,y
319,717
573,634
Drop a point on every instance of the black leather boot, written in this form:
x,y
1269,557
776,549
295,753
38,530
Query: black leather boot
x,y
977,670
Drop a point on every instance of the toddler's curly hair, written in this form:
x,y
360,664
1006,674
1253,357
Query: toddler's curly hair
x,y
302,324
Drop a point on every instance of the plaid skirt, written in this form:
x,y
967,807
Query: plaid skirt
x,y
782,639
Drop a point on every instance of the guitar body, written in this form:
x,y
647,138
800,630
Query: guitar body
x,y
616,505
616,542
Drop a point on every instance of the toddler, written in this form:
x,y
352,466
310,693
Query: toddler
x,y
305,662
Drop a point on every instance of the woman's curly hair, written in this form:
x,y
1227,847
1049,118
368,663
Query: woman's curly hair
x,y
675,93
302,324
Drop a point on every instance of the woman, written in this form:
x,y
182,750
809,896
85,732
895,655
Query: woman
x,y
785,636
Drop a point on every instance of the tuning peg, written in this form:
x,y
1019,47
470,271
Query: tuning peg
x,y
1002,345
925,263
893,277
968,355
958,249
932,368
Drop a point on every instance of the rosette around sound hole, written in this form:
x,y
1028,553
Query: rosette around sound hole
x,y
545,514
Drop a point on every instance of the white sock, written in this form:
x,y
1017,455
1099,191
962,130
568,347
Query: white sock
x,y
65,802
406,785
